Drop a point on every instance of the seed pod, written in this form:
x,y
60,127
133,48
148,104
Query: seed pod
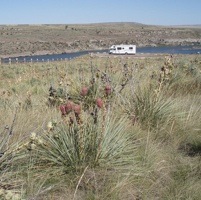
x,y
99,102
108,89
69,107
33,136
50,126
77,109
63,109
84,91
32,146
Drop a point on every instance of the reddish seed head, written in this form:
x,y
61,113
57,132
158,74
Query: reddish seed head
x,y
62,109
108,89
99,102
77,109
69,106
84,91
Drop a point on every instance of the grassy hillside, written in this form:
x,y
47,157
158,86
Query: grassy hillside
x,y
101,128
42,39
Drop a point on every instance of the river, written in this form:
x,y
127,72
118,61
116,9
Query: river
x,y
139,50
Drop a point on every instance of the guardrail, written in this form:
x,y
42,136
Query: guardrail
x,y
48,57
24,60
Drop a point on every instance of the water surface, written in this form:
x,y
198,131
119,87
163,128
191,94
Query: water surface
x,y
139,50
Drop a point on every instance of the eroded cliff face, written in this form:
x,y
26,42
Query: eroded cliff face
x,y
48,39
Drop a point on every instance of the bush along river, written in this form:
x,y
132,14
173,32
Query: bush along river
x,y
139,50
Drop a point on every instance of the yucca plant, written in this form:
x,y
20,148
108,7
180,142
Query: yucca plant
x,y
147,108
6,147
3,148
76,146
8,170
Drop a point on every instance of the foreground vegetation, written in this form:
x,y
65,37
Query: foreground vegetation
x,y
101,128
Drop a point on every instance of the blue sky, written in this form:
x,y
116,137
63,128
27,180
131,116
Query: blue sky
x,y
156,12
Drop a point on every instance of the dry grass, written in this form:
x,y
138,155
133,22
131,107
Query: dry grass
x,y
163,125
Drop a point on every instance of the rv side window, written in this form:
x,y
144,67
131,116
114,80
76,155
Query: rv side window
x,y
131,48
118,48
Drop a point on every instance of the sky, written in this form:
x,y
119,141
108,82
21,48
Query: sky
x,y
153,12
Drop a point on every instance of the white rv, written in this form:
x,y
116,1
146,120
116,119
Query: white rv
x,y
122,49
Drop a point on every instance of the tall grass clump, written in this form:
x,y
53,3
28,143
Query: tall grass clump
x,y
9,184
186,78
148,110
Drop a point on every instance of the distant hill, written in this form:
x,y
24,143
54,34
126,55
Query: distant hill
x,y
58,38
